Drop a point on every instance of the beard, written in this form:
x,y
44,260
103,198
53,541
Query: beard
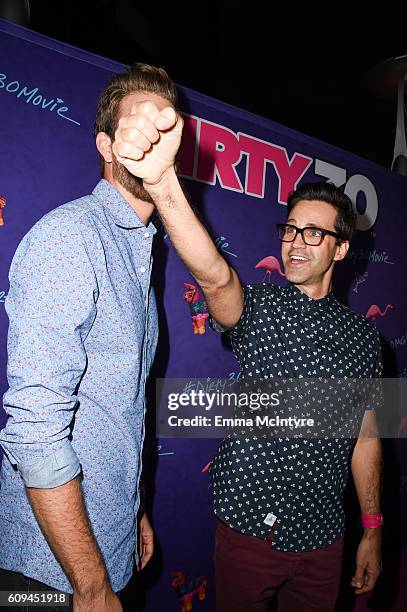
x,y
132,184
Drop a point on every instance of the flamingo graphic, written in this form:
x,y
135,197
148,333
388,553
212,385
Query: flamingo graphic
x,y
206,467
2,205
270,264
375,311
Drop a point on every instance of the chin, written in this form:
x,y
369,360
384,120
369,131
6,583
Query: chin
x,y
295,278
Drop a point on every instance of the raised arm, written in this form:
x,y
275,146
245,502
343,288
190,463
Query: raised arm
x,y
146,142
51,306
219,281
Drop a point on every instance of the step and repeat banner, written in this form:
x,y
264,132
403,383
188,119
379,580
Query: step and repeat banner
x,y
238,169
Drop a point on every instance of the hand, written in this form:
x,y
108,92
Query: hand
x,y
368,562
146,141
104,600
146,541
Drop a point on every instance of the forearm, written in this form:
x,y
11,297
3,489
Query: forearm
x,y
366,471
61,514
189,237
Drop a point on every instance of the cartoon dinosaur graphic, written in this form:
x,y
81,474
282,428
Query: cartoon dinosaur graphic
x,y
187,590
375,311
270,264
197,307
2,205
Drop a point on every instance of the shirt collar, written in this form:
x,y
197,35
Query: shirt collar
x,y
124,215
304,302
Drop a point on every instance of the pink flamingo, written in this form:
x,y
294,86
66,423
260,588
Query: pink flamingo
x,y
375,311
270,264
206,468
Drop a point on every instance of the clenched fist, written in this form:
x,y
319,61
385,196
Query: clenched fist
x,y
147,140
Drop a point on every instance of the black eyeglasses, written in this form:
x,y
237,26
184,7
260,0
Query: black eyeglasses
x,y
311,235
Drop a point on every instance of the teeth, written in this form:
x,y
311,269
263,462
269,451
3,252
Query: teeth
x,y
298,257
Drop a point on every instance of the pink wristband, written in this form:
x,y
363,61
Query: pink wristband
x,y
370,521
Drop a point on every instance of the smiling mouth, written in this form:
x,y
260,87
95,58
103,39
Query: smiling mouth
x,y
298,260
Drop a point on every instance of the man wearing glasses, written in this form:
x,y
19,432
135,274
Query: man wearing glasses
x,y
278,500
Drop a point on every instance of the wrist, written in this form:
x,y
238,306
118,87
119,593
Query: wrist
x,y
142,505
372,521
162,181
372,533
91,586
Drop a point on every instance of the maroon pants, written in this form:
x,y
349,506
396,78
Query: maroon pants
x,y
249,573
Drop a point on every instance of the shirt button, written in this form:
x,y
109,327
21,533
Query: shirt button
x,y
146,235
142,269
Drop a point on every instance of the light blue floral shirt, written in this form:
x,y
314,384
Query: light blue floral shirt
x,y
82,337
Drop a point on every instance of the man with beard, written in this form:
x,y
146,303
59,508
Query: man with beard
x,y
82,337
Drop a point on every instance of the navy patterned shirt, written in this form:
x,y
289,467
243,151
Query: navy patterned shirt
x,y
82,336
285,334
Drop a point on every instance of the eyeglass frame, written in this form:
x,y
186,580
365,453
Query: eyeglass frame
x,y
301,230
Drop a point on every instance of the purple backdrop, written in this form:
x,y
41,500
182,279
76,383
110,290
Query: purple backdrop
x,y
238,169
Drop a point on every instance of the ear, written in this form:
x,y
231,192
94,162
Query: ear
x,y
341,250
104,146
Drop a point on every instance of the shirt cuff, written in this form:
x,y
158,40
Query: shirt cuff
x,y
52,471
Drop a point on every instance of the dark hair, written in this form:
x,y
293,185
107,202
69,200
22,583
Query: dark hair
x,y
345,222
140,77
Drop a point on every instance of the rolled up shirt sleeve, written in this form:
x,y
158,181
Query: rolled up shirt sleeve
x,y
242,324
51,307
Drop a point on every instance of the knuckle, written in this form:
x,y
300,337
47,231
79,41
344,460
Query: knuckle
x,y
154,134
147,106
132,134
141,121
